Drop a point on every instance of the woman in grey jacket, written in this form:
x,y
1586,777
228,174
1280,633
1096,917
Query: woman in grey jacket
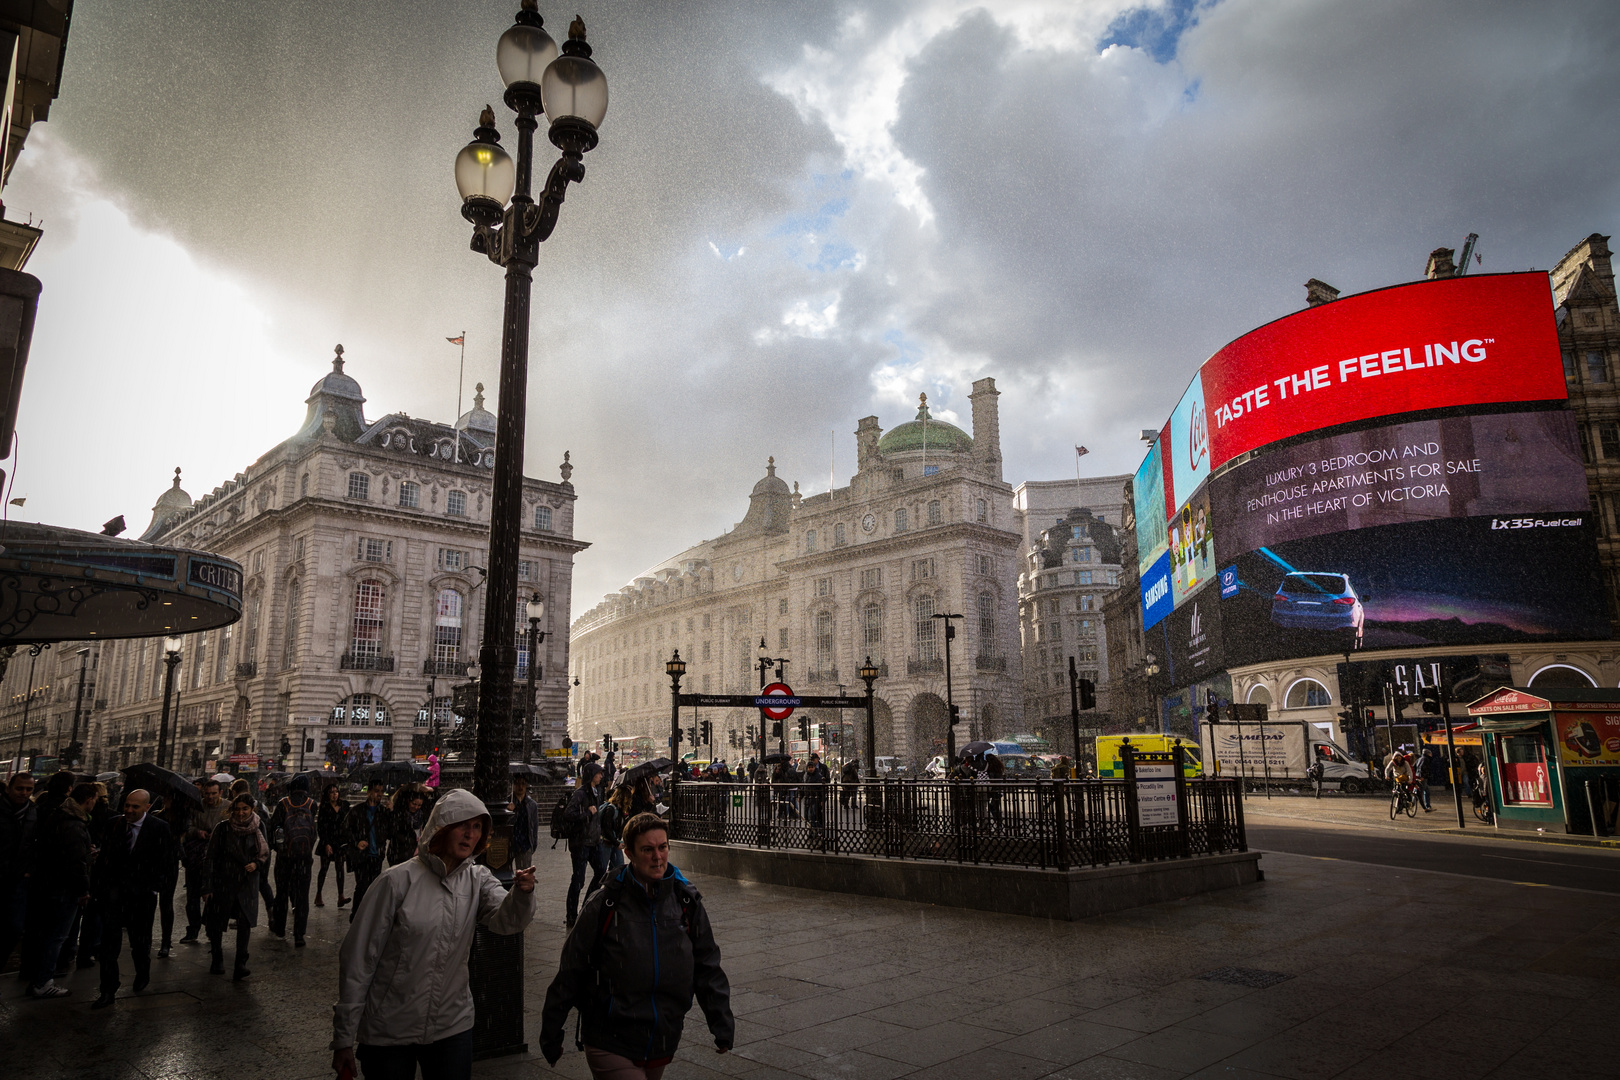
x,y
403,999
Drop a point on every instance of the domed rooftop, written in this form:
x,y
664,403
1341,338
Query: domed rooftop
x,y
335,383
171,502
477,418
926,433
770,483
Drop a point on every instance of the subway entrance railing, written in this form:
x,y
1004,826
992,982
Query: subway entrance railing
x,y
1048,824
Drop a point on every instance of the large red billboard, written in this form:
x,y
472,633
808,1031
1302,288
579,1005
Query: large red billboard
x,y
1425,345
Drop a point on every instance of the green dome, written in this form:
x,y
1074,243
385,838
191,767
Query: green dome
x,y
926,433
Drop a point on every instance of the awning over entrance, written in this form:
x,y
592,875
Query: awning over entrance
x,y
61,584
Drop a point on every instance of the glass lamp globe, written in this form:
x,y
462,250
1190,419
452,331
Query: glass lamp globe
x,y
573,86
523,54
484,171
171,644
535,609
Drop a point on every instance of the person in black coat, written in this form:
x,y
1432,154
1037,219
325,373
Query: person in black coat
x,y
237,853
329,823
19,820
136,861
58,887
368,827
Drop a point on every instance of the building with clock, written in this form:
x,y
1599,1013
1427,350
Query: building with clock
x,y
926,526
362,544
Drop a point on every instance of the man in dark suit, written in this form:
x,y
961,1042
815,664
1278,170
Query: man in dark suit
x,y
139,852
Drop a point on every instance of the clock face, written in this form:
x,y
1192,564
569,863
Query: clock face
x,y
869,522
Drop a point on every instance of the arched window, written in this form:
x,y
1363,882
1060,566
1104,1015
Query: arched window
x,y
872,630
824,642
1259,695
365,638
922,610
1307,694
987,624
1561,675
447,627
295,597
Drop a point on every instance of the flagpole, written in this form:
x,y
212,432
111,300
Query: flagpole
x,y
461,381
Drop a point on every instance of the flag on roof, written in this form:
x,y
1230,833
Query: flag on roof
x,y
1081,451
457,340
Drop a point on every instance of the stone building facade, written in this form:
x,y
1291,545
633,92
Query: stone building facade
x,y
1069,566
926,525
362,544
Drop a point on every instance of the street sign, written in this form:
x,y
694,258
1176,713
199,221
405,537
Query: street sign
x,y
776,692
244,759
1156,793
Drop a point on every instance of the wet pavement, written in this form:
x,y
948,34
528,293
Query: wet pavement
x,y
1326,969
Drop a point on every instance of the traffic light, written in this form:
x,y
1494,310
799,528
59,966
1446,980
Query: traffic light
x,y
1088,694
804,729
1212,707
708,732
1431,700
776,729
680,736
286,747
956,715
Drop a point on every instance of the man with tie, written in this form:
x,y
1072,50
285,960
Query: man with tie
x,y
137,855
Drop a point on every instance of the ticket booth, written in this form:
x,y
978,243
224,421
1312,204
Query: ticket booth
x,y
1554,761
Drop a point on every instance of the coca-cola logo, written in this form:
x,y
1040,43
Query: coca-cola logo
x,y
1197,435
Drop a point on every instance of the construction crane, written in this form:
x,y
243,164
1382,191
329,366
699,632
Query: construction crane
x,y
1467,253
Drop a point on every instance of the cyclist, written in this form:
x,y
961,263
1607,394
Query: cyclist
x,y
1400,772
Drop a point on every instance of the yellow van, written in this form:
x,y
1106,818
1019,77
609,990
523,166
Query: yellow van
x,y
1109,765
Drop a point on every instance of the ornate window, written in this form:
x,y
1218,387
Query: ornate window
x,y
934,516
359,486
987,624
838,535
900,520
810,541
925,626
1307,694
365,638
447,627
199,657
872,579
410,494
824,641
455,504
542,518
295,597
222,659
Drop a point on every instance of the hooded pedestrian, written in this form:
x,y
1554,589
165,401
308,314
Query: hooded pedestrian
x,y
584,825
237,853
367,825
632,984
403,996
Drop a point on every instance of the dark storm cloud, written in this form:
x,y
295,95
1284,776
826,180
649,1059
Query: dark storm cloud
x,y
801,214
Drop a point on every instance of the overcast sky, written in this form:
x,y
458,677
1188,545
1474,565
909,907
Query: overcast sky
x,y
799,214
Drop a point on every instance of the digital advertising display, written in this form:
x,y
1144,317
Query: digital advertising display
x,y
1394,531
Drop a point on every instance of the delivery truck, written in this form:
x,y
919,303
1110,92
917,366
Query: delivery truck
x,y
1279,752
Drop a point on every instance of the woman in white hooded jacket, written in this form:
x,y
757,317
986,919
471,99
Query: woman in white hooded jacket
x,y
403,998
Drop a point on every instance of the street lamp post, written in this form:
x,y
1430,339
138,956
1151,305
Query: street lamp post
x,y
950,703
535,609
675,667
433,713
508,227
869,674
171,660
28,700
78,709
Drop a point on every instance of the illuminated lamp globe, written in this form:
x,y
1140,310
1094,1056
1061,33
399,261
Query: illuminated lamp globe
x,y
485,175
525,51
573,87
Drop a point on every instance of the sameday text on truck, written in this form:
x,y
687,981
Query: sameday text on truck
x,y
1281,752
1111,767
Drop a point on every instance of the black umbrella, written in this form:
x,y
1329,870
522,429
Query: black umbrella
x,y
973,749
391,773
646,769
774,759
533,772
150,776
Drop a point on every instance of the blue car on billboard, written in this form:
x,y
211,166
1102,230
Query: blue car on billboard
x,y
1308,601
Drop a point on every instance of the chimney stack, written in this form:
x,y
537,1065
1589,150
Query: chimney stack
x,y
1440,264
1318,292
987,427
867,434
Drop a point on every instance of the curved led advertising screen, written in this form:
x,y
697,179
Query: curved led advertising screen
x,y
1469,523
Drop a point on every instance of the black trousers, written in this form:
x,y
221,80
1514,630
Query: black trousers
x,y
194,902
132,916
450,1058
165,901
216,939
365,872
329,862
292,885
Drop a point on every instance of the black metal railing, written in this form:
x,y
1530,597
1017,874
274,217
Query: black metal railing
x,y
828,677
247,669
352,662
990,663
936,666
1049,824
454,668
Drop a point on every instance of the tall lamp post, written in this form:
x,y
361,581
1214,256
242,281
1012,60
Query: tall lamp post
x,y
675,667
508,227
950,703
171,660
28,700
78,709
869,674
535,609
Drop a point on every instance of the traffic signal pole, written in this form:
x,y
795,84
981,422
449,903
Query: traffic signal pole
x,y
1074,711
1451,747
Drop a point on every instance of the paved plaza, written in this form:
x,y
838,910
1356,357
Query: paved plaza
x,y
1371,970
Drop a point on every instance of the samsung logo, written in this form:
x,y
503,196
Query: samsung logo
x,y
1160,590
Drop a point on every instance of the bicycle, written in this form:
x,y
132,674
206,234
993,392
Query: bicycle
x,y
1403,797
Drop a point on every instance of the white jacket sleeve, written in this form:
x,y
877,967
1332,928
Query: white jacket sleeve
x,y
500,910
361,949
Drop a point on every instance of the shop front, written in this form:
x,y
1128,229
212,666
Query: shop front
x,y
1554,761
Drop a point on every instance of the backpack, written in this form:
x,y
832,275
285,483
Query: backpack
x,y
561,827
298,831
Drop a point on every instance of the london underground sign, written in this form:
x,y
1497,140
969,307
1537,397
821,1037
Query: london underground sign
x,y
782,695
